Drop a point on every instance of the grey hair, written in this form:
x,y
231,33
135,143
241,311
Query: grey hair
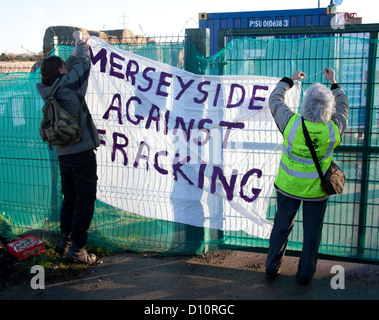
x,y
318,104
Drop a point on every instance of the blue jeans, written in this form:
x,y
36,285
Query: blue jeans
x,y
79,183
313,216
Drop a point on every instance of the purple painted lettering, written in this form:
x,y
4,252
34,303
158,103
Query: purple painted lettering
x,y
139,155
184,86
147,78
166,118
138,117
242,98
186,132
114,65
255,191
176,167
229,126
254,98
119,146
200,182
163,83
201,124
117,108
200,89
156,166
154,109
100,132
100,56
229,188
132,69
215,99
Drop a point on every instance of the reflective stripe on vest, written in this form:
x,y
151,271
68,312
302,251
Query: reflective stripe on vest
x,y
291,136
300,174
297,173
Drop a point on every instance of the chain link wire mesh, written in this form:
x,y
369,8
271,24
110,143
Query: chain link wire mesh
x,y
30,194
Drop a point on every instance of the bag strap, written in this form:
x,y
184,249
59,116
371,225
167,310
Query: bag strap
x,y
313,153
80,109
54,87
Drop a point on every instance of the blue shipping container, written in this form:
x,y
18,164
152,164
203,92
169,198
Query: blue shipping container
x,y
261,19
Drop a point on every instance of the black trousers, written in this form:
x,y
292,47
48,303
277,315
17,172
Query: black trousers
x,y
79,182
313,216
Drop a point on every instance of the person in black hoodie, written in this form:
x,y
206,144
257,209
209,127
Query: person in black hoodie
x,y
77,162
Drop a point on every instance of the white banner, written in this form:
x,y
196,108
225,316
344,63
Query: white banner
x,y
194,149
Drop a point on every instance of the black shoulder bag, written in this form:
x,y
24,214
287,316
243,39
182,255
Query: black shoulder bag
x,y
334,179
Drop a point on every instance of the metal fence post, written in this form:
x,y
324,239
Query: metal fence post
x,y
199,38
371,77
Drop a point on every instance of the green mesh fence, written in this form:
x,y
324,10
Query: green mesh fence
x,y
30,194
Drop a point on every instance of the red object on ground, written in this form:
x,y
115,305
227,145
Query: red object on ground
x,y
26,247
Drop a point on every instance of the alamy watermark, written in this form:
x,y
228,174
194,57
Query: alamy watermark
x,y
337,281
37,281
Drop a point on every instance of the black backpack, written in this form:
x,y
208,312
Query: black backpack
x,y
58,127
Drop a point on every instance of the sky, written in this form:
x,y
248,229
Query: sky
x,y
23,22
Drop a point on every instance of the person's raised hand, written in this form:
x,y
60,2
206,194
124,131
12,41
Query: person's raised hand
x,y
77,36
330,75
298,75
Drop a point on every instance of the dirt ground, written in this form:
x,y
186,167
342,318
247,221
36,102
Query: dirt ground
x,y
223,275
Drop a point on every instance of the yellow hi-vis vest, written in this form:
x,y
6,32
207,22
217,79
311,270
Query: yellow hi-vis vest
x,y
297,174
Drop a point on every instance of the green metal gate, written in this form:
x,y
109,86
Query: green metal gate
x,y
351,226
